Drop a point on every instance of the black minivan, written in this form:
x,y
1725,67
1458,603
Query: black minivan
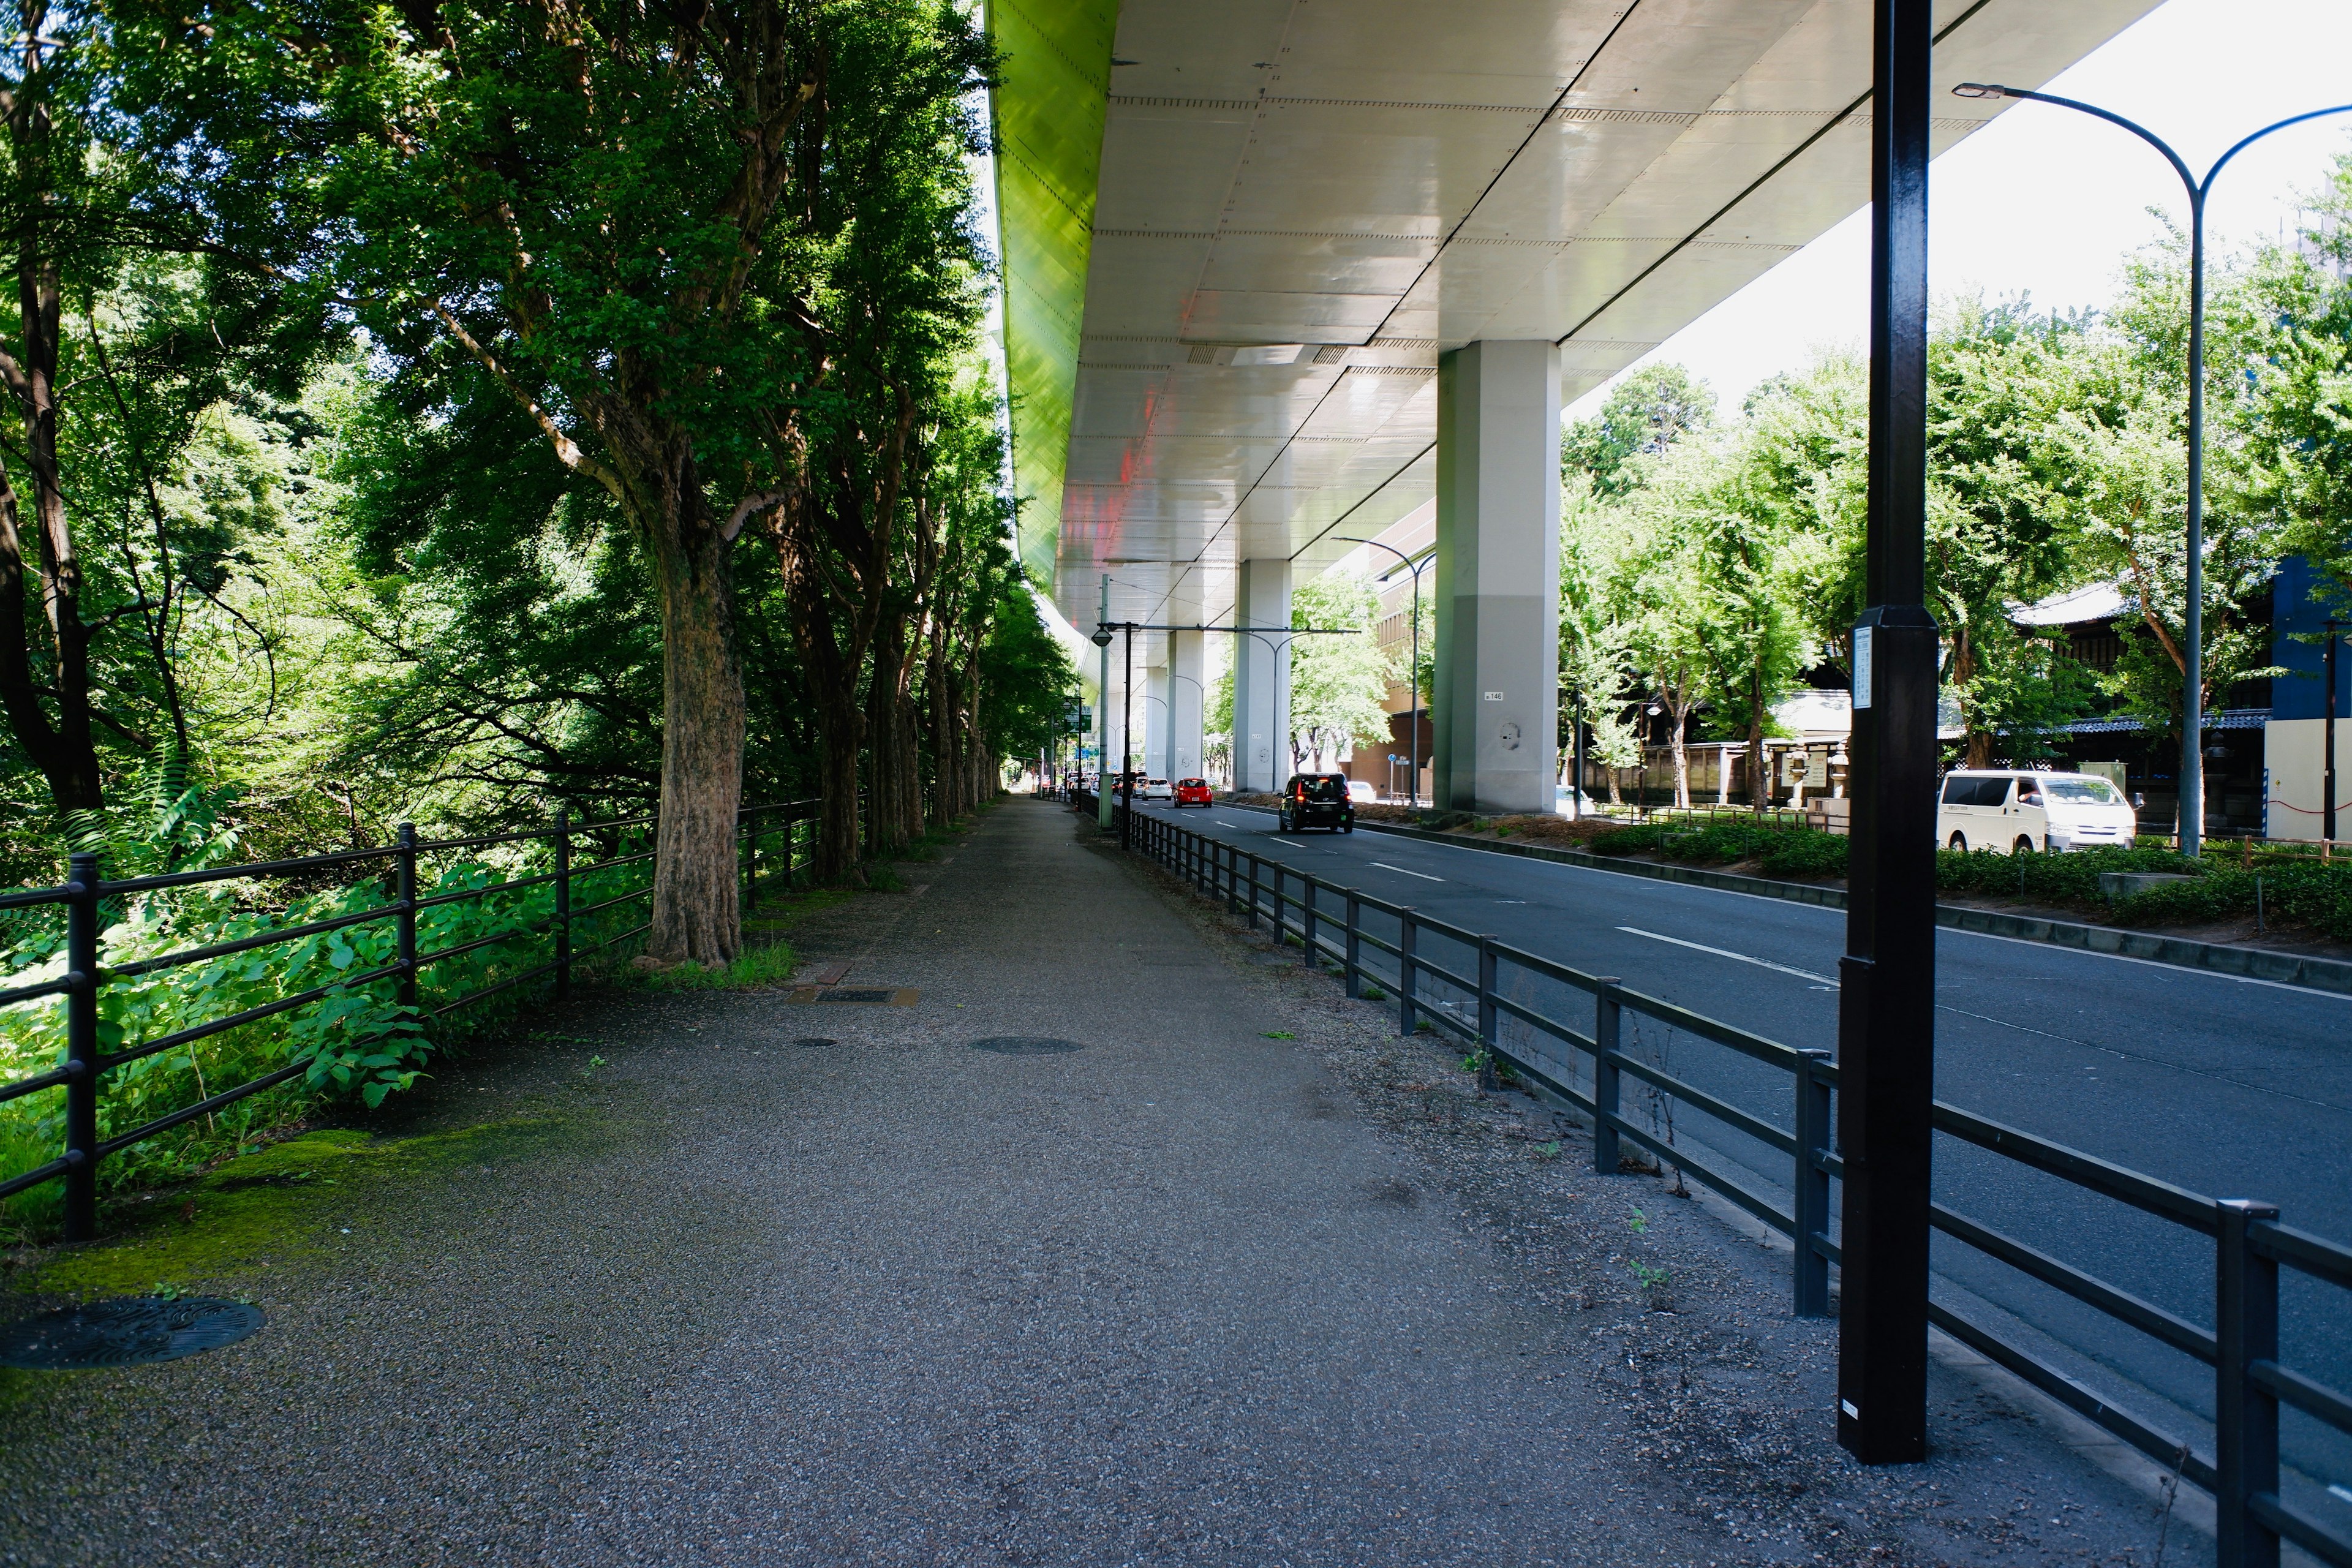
x,y
1318,800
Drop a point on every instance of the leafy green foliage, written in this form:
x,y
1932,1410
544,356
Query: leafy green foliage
x,y
1645,414
1338,685
2296,891
356,1043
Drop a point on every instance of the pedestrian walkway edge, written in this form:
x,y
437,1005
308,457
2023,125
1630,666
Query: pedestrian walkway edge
x,y
2330,974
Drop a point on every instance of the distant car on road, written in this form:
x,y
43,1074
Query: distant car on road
x,y
1193,792
1153,789
1363,790
1316,800
2018,812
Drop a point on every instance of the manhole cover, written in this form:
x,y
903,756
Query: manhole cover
x,y
1025,1046
131,1331
816,1042
866,996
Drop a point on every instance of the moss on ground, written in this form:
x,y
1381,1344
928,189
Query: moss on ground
x,y
782,913
263,1208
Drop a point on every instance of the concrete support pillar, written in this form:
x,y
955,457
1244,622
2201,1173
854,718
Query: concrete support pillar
x,y
1496,704
1262,675
1186,690
1152,715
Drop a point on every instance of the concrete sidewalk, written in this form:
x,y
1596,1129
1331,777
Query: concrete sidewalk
x,y
1186,1294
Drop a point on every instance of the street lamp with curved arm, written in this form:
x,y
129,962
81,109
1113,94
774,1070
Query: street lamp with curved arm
x,y
2192,717
1416,568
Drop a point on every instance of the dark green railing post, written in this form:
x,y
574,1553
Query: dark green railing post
x,y
1408,983
750,863
563,904
81,1048
1605,1095
2245,1413
1354,964
1812,1189
404,890
1489,1023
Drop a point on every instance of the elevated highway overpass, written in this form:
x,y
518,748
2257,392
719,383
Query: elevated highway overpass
x,y
1280,273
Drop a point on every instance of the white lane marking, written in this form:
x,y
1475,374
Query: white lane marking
x,y
1727,952
1424,875
1832,910
2151,962
2144,1061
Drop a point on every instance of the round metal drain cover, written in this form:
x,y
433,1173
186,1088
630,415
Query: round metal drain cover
x,y
130,1330
816,1042
1025,1046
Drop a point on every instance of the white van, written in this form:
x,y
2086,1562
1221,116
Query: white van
x,y
2019,812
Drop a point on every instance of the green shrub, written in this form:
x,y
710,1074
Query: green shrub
x,y
356,1043
1802,852
2071,879
2294,892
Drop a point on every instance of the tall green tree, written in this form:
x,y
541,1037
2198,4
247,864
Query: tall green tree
x,y
2288,456
1644,414
1338,685
582,205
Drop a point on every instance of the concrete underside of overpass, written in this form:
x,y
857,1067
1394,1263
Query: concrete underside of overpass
x,y
1243,240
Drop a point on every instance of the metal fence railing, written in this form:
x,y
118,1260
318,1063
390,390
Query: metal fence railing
x,y
83,1073
1513,1008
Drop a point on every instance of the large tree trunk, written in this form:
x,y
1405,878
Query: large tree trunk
x,y
910,767
939,720
695,914
977,762
1756,790
838,726
65,753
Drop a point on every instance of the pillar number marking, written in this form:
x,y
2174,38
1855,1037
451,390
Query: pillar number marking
x,y
1494,696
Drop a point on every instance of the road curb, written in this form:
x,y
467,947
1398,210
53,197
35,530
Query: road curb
x,y
2330,974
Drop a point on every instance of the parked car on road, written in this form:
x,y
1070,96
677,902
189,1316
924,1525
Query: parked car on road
x,y
2018,812
1363,790
1193,792
1316,800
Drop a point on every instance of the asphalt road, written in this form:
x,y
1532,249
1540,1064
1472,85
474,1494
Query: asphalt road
x,y
2231,1088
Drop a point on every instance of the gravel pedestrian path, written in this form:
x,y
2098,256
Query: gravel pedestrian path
x,y
1185,1294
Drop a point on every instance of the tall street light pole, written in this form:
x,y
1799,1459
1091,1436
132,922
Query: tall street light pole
x,y
1416,568
1126,742
2192,705
1102,709
1886,1020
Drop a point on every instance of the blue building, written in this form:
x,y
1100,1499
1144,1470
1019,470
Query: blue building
x,y
2294,761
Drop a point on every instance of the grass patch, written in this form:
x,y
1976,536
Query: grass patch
x,y
269,1206
782,914
771,963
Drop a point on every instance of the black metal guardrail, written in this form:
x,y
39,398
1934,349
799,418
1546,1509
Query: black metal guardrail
x,y
2241,1469
83,1073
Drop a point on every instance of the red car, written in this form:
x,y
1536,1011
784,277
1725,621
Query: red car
x,y
1193,792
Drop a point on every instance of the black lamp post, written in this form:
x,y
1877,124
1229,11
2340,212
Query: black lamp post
x,y
1101,640
1415,568
2192,715
1886,1020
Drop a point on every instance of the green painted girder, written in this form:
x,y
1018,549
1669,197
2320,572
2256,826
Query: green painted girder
x,y
1053,87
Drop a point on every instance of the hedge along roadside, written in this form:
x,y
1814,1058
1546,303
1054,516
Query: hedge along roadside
x,y
498,913
2311,973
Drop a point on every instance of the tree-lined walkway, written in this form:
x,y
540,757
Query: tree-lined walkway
x,y
687,1288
